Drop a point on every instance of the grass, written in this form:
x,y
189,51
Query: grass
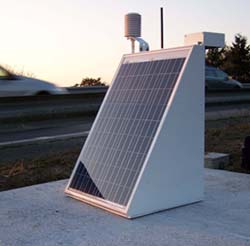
x,y
225,136
35,171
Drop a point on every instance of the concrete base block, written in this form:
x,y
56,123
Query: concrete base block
x,y
43,215
216,160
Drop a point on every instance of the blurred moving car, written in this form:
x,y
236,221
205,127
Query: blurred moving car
x,y
15,85
217,79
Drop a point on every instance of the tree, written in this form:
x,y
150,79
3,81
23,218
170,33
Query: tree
x,y
215,57
237,59
92,82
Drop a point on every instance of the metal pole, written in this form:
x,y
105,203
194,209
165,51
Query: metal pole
x,y
132,45
162,30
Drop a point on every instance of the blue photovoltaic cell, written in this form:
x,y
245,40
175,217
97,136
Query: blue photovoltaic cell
x,y
116,149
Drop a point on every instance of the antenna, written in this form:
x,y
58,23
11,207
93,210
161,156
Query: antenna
x,y
162,29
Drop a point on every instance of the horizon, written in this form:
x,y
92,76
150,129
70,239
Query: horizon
x,y
63,42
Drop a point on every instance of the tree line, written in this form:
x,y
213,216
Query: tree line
x,y
91,82
234,59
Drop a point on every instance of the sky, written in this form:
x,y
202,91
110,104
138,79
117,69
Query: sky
x,y
63,41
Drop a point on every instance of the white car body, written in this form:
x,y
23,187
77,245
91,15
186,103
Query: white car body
x,y
14,85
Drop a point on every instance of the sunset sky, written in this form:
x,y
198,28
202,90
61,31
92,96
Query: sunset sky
x,y
65,40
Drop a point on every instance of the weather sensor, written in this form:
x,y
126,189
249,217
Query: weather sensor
x,y
145,150
133,31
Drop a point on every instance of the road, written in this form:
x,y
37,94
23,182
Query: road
x,y
33,117
39,139
31,130
57,127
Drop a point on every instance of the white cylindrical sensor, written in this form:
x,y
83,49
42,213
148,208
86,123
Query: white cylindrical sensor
x,y
132,25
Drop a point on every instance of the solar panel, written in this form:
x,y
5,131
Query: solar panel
x,y
122,134
121,137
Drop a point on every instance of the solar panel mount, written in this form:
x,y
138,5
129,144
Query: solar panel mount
x,y
138,158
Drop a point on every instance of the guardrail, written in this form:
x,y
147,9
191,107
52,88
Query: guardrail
x,y
246,85
31,108
87,89
93,89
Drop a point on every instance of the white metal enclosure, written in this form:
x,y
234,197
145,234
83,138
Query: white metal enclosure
x,y
171,170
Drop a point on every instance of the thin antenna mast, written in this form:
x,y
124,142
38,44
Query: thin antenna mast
x,y
162,30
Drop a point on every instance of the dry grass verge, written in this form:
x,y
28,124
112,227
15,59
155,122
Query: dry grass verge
x,y
225,136
28,172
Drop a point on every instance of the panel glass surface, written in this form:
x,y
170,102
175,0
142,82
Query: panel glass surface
x,y
116,149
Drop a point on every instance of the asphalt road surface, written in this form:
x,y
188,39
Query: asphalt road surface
x,y
56,127
21,141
